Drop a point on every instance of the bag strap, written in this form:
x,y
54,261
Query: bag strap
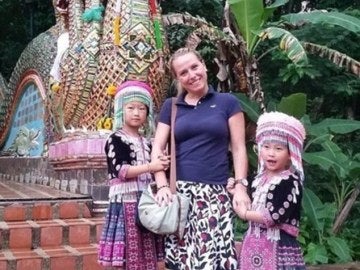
x,y
172,148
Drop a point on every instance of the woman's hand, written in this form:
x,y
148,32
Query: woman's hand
x,y
241,197
161,163
241,209
230,186
163,196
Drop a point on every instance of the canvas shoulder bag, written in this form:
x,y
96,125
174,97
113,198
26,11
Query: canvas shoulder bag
x,y
170,218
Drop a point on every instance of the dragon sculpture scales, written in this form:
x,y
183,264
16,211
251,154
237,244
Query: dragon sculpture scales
x,y
66,73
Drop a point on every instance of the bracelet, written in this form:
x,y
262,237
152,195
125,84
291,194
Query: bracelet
x,y
163,186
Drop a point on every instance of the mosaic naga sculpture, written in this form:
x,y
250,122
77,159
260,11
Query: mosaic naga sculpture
x,y
94,46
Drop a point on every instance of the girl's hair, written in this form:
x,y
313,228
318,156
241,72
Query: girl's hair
x,y
178,53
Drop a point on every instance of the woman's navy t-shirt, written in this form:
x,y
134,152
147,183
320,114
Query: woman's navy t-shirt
x,y
202,136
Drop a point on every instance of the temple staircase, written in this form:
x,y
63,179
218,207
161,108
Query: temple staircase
x,y
42,228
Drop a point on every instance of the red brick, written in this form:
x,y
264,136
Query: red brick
x,y
29,263
59,251
86,212
41,212
79,234
68,210
14,212
90,262
99,232
62,263
51,236
20,238
3,264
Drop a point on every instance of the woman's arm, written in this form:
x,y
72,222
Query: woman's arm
x,y
238,150
158,151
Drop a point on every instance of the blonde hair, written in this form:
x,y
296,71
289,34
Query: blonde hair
x,y
178,53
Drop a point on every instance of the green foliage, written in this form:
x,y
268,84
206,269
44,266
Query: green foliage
x,y
316,254
176,36
211,10
31,18
294,105
339,247
250,107
333,18
318,242
288,43
250,17
293,73
338,126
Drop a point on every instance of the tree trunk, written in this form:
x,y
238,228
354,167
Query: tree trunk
x,y
345,211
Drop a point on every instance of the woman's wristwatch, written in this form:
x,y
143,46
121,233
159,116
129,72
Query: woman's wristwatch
x,y
242,181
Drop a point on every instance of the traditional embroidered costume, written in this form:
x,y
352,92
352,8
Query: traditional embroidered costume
x,y
123,243
272,244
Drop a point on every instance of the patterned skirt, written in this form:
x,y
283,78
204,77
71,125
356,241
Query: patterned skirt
x,y
124,244
259,253
208,241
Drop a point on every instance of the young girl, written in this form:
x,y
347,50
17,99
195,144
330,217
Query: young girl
x,y
270,242
123,243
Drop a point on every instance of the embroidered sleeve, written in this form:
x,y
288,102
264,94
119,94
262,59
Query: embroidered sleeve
x,y
284,203
118,156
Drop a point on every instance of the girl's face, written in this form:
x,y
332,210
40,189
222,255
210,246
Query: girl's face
x,y
191,73
275,156
135,114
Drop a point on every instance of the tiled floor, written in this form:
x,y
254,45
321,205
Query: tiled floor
x,y
16,191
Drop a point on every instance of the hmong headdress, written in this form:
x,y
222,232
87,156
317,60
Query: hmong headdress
x,y
133,91
282,128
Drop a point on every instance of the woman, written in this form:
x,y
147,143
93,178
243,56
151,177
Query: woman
x,y
206,124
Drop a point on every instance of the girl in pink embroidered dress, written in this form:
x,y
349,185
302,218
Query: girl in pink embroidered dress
x,y
123,244
270,242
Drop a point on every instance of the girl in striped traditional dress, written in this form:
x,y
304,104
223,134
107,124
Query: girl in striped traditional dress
x,y
270,242
123,243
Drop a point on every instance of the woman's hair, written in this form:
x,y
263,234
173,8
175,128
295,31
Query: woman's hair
x,y
178,53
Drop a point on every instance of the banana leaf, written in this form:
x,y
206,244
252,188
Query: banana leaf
x,y
251,108
348,22
340,248
326,160
316,254
249,17
338,126
288,43
294,105
312,206
269,10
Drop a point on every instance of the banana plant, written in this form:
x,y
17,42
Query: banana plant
x,y
251,17
345,21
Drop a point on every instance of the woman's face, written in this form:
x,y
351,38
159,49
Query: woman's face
x,y
191,73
